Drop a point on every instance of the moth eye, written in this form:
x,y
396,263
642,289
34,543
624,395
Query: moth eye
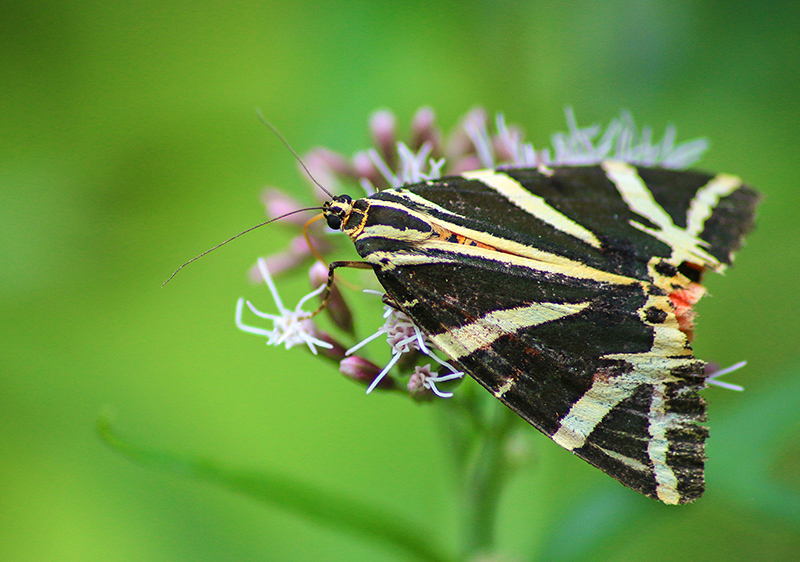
x,y
334,221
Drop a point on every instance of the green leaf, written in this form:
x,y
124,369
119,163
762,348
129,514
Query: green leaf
x,y
326,508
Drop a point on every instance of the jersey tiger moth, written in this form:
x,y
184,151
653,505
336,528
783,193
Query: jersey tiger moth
x,y
567,291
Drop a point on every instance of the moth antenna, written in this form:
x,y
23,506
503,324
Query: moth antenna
x,y
232,238
297,157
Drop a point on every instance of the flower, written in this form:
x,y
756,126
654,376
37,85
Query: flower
x,y
422,383
427,155
290,327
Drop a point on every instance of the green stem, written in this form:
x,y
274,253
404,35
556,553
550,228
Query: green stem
x,y
484,472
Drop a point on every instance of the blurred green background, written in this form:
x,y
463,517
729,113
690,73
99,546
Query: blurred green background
x,y
129,143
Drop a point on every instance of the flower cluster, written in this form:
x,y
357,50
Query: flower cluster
x,y
427,154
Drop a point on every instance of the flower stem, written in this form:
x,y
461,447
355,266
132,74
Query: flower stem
x,y
480,495
480,452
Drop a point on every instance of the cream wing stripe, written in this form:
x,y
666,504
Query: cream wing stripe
x,y
707,198
658,446
631,187
481,333
512,190
586,413
627,461
636,195
390,260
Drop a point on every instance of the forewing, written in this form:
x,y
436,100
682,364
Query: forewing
x,y
615,217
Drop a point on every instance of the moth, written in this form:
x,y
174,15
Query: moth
x,y
567,292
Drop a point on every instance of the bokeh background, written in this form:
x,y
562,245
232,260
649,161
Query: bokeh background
x,y
129,143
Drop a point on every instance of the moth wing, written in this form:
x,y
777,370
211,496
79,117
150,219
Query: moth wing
x,y
574,358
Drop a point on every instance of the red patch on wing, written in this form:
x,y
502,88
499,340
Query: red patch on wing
x,y
683,300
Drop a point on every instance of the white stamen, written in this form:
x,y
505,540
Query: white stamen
x,y
412,164
620,141
367,186
364,342
311,295
382,374
476,130
522,153
246,328
262,267
428,380
443,363
431,383
712,379
436,168
383,168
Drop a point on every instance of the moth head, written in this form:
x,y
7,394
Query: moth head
x,y
337,210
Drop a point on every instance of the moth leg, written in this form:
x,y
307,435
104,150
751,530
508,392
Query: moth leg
x,y
329,284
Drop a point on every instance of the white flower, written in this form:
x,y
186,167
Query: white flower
x,y
405,337
289,327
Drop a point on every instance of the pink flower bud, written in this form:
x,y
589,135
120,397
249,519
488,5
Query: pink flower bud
x,y
364,372
318,162
423,129
339,164
365,168
335,353
417,388
384,134
277,263
318,274
464,164
299,245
